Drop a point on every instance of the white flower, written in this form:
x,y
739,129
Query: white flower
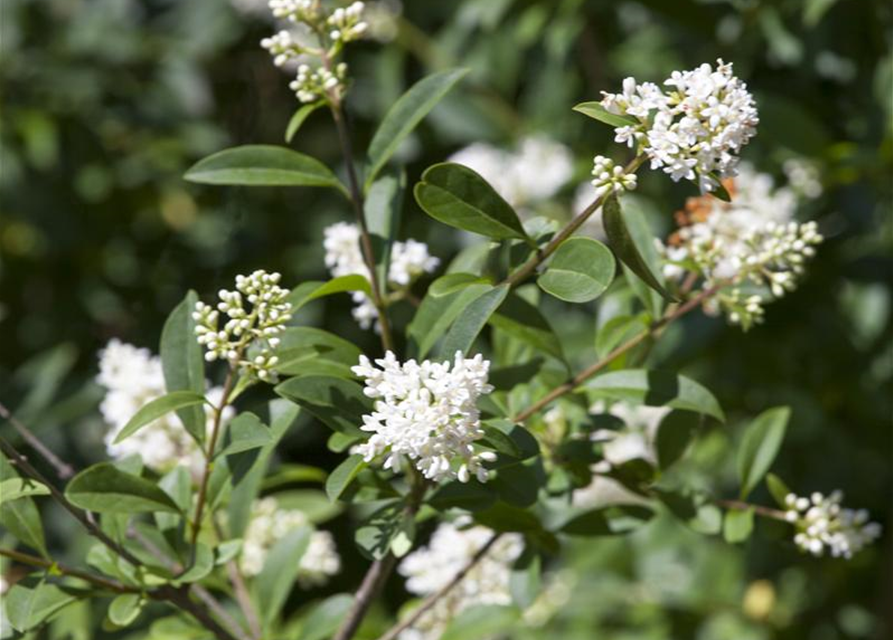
x,y
695,129
282,46
268,524
344,257
532,173
311,85
753,239
133,377
821,523
803,177
250,334
610,177
427,413
430,568
347,23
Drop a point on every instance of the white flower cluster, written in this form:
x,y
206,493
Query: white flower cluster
x,y
269,522
132,378
427,413
344,257
252,329
610,177
326,34
347,23
752,239
535,171
694,130
430,568
804,177
821,523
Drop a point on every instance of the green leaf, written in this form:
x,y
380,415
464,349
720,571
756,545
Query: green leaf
x,y
263,166
580,271
471,496
504,517
597,112
104,488
337,402
158,408
525,578
28,604
674,435
482,621
471,321
521,320
694,510
618,330
657,388
459,197
326,617
335,355
183,364
737,525
201,568
343,475
436,313
15,488
382,209
405,115
244,433
314,504
125,608
22,519
510,439
760,445
307,291
374,536
453,282
614,520
631,239
298,119
280,571
778,489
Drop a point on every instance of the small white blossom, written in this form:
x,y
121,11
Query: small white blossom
x,y
821,523
269,522
311,85
427,413
752,240
695,129
296,11
430,568
132,378
804,177
283,47
249,335
610,178
347,23
344,257
535,171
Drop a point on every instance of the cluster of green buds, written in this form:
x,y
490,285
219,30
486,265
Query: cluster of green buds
x,y
315,46
250,333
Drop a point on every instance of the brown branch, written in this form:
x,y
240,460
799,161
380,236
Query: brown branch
x,y
591,370
63,469
430,601
527,269
378,572
766,512
240,589
96,580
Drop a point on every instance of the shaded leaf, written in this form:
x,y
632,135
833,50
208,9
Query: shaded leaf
x,y
760,445
298,118
382,209
778,489
471,321
326,617
307,291
436,313
104,488
280,570
244,433
523,321
481,621
337,402
157,408
343,475
183,364
657,388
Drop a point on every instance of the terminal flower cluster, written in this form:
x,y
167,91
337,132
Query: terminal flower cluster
x,y
132,378
695,130
822,524
426,413
250,333
753,240
430,568
610,177
531,173
269,523
316,42
409,260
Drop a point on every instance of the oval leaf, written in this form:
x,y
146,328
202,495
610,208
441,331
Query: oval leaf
x,y
307,291
737,525
263,166
298,119
15,488
632,241
183,364
405,115
343,475
581,270
459,197
657,388
158,408
760,445
596,111
104,488
125,608
337,402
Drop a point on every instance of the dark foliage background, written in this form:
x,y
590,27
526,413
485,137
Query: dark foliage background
x,y
107,102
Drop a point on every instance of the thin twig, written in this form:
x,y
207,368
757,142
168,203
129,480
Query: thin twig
x,y
63,469
431,600
591,370
99,581
525,270
378,572
766,512
240,589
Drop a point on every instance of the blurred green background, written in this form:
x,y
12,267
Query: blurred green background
x,y
107,102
